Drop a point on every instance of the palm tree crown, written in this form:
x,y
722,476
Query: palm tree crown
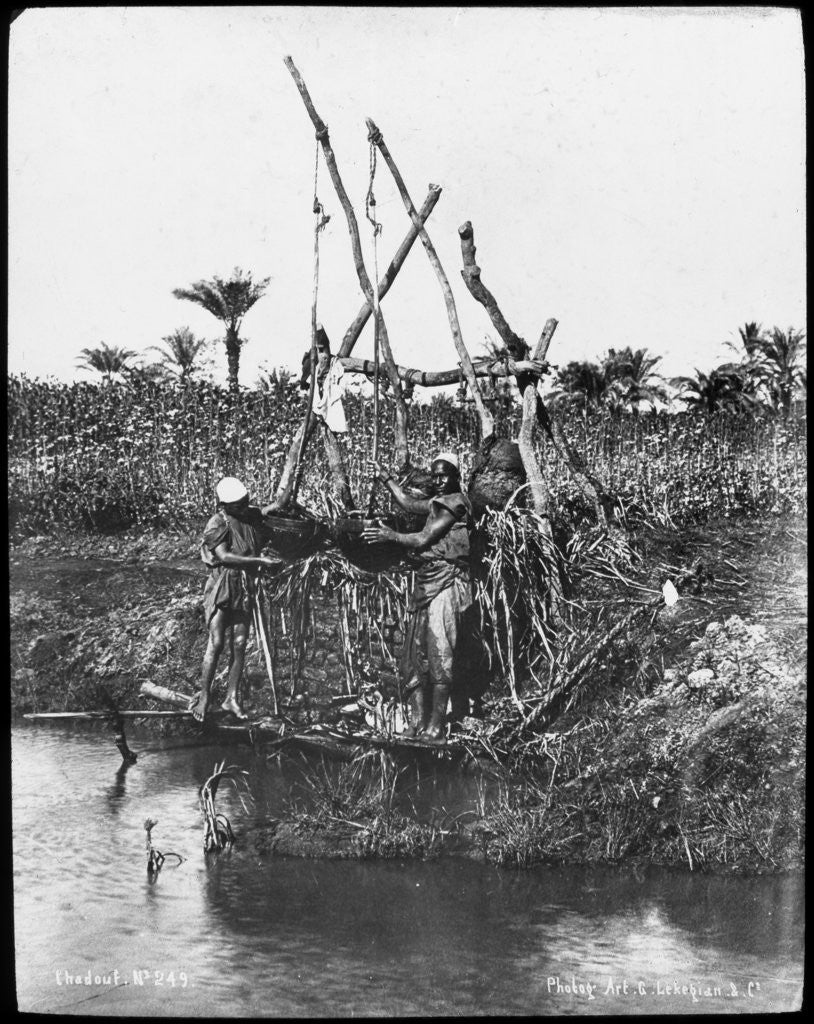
x,y
781,364
725,389
633,384
229,301
105,359
772,363
181,351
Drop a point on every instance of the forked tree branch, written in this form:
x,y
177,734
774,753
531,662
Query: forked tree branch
x,y
471,274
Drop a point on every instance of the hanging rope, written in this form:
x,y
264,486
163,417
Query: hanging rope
x,y
320,220
370,214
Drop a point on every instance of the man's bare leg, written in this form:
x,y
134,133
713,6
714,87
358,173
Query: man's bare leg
x,y
217,632
240,634
417,707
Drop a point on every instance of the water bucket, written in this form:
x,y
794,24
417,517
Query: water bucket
x,y
295,537
347,533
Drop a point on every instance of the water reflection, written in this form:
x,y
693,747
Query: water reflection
x,y
262,936
116,793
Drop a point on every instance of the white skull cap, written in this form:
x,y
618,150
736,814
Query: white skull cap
x,y
230,489
449,457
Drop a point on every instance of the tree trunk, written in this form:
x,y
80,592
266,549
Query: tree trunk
x,y
337,467
540,493
540,496
285,484
471,274
232,357
434,378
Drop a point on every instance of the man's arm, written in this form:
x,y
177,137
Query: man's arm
x,y
433,531
231,561
416,506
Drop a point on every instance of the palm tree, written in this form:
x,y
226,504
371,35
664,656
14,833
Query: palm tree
x,y
279,383
633,384
181,350
106,359
772,363
780,366
146,373
726,388
752,335
580,382
229,301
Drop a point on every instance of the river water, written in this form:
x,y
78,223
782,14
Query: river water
x,y
249,935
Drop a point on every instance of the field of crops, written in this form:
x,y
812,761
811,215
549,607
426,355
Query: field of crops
x,y
105,456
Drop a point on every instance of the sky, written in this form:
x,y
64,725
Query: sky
x,y
636,173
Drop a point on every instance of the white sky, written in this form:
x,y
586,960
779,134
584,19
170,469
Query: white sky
x,y
636,173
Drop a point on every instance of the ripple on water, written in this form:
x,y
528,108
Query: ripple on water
x,y
259,936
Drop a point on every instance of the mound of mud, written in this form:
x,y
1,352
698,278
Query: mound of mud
x,y
497,472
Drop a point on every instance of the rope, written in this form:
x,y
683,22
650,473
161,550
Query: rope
x,y
370,214
320,220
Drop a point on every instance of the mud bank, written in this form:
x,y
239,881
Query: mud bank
x,y
694,759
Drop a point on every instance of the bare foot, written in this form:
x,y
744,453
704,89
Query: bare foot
x,y
434,734
230,704
198,706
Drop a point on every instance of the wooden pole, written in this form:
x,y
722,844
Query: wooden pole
x,y
289,492
260,628
541,498
100,716
336,465
401,452
439,378
486,420
389,276
165,695
540,493
471,274
286,481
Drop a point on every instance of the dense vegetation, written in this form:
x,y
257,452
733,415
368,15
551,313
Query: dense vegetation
x,y
632,736
106,456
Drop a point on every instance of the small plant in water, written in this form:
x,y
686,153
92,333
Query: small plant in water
x,y
155,858
218,834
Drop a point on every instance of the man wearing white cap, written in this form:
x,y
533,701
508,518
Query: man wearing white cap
x,y
232,542
441,595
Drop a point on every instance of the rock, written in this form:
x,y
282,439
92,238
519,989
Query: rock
x,y
726,668
700,678
718,720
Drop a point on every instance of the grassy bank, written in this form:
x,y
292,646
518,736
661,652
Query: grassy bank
x,y
630,731
683,744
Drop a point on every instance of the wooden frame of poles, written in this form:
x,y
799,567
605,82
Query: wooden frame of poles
x,y
520,363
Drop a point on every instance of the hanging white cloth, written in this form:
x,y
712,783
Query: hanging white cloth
x,y
328,398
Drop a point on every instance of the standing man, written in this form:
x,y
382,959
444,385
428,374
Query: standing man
x,y
441,595
231,547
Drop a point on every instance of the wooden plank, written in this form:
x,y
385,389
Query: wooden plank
x,y
65,716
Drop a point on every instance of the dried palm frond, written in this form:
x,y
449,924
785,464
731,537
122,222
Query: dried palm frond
x,y
218,832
